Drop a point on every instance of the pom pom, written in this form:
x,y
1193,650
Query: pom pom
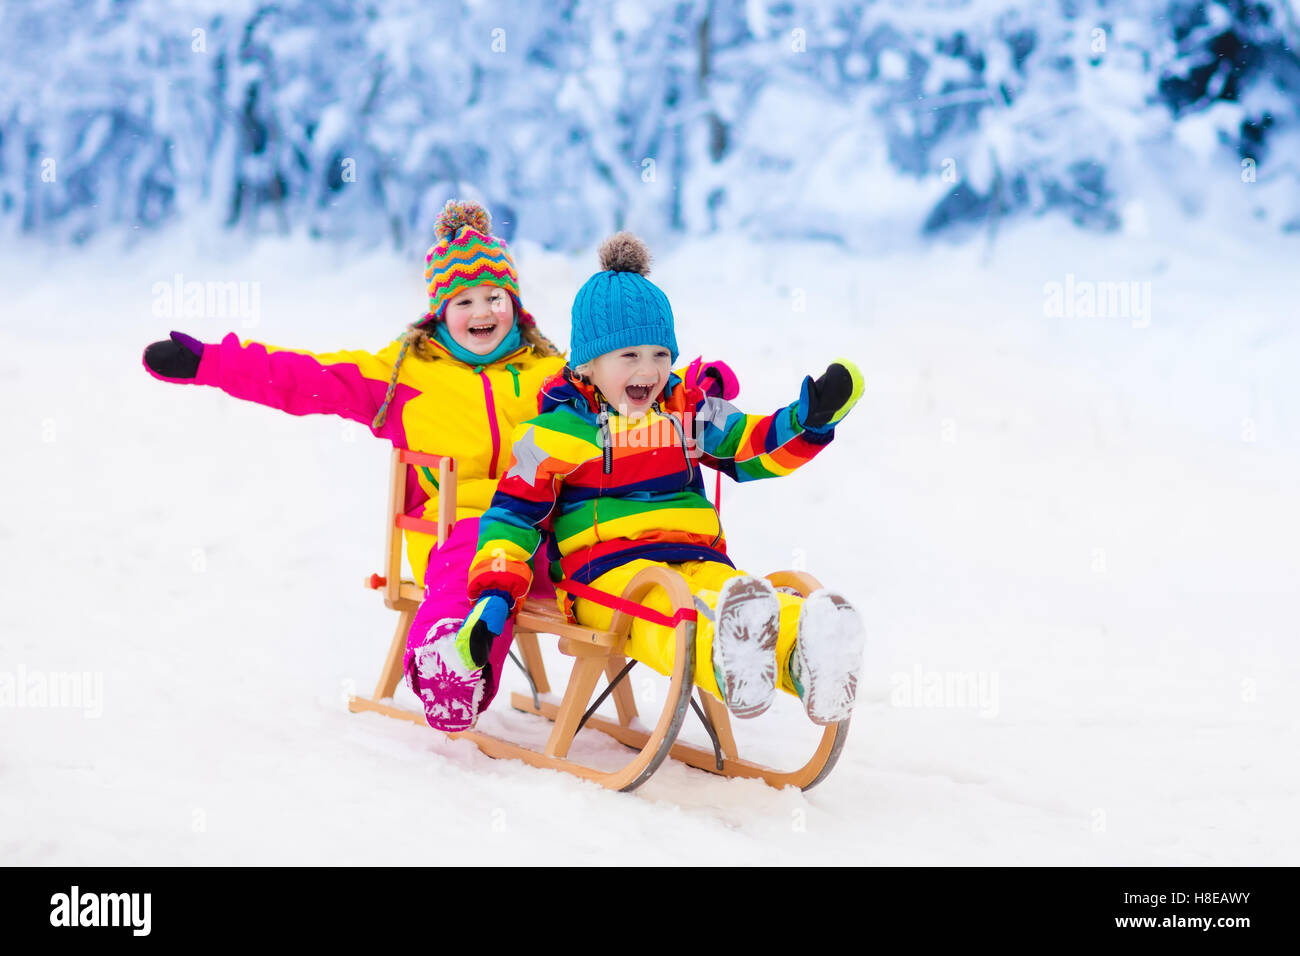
x,y
461,213
624,252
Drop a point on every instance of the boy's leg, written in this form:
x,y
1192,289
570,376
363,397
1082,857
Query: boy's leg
x,y
653,644
828,656
820,642
650,644
706,579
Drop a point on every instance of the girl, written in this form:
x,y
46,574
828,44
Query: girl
x,y
452,384
457,379
611,469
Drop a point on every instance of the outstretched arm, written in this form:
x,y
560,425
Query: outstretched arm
x,y
351,384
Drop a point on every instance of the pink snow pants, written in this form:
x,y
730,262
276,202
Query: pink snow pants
x,y
453,700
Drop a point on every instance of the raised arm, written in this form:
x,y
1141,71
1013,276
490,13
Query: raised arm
x,y
748,447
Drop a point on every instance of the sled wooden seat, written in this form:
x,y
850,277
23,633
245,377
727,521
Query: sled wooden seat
x,y
595,653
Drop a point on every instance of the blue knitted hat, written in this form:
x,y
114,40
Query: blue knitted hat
x,y
619,307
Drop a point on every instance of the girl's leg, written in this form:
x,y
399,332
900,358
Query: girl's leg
x,y
452,697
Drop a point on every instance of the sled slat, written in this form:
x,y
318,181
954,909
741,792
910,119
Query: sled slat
x,y
582,682
701,759
526,641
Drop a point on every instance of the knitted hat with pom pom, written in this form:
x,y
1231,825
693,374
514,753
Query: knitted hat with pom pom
x,y
619,307
465,254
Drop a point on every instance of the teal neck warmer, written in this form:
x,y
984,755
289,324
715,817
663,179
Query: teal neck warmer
x,y
513,340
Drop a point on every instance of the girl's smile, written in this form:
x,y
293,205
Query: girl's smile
x,y
480,318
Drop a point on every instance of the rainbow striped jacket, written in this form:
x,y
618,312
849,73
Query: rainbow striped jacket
x,y
603,490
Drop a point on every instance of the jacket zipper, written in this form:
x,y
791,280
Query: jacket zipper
x,y
607,449
690,469
681,434
492,420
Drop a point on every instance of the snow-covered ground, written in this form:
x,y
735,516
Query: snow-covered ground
x,y
1073,539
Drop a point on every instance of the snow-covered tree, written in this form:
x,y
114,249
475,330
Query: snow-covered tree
x,y
855,121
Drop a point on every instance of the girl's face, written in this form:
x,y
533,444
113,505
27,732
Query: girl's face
x,y
480,318
631,378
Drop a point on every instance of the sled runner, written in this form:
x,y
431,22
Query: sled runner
x,y
594,652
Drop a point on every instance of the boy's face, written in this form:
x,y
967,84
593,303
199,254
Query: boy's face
x,y
480,318
631,378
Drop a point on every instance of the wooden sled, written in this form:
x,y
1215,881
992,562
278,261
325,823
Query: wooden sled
x,y
594,652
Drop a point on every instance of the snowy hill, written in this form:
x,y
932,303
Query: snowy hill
x,y
1072,538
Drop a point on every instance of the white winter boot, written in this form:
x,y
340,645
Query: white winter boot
x,y
745,625
827,656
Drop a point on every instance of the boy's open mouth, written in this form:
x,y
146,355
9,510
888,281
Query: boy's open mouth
x,y
638,393
483,331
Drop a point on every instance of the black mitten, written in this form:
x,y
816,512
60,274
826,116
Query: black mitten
x,y
177,357
824,401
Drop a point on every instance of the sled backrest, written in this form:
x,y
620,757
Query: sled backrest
x,y
403,460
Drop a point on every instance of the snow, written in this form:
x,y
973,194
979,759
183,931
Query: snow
x,y
1072,541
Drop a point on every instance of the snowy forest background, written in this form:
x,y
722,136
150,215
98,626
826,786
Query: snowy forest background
x,y
864,123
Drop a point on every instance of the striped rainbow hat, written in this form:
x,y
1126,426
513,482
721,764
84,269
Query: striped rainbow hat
x,y
465,254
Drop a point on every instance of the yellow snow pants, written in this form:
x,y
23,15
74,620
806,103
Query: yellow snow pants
x,y
653,644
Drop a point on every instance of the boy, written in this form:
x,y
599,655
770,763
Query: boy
x,y
611,469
